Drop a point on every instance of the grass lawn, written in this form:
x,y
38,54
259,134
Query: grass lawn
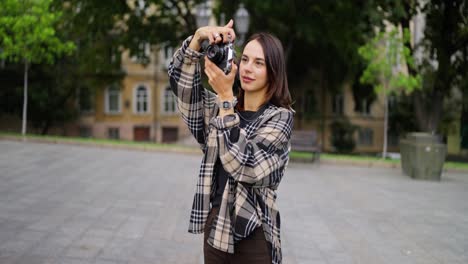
x,y
357,159
100,142
370,159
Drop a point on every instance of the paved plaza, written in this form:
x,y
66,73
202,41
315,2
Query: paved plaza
x,y
75,204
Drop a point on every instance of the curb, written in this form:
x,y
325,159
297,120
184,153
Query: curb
x,y
197,151
175,149
338,162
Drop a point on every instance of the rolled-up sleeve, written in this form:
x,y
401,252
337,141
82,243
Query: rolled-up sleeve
x,y
195,103
258,160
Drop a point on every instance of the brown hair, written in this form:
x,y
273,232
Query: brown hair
x,y
278,91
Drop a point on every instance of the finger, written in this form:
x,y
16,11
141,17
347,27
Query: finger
x,y
208,69
208,62
211,84
211,69
208,73
211,38
229,34
208,35
233,72
229,24
218,38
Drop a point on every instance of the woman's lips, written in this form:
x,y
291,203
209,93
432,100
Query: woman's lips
x,y
247,79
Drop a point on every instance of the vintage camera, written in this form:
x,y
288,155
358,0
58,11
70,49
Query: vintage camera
x,y
220,54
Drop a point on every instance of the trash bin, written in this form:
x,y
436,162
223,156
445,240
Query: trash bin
x,y
422,156
405,156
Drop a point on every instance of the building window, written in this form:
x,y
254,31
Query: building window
x,y
141,100
166,56
113,99
364,107
364,96
113,133
366,137
338,104
143,53
85,100
85,132
169,101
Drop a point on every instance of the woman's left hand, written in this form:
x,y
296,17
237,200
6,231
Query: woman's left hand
x,y
219,81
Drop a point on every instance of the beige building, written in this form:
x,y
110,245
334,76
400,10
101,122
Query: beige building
x,y
139,108
143,108
327,107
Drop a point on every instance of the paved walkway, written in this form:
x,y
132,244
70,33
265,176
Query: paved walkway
x,y
72,204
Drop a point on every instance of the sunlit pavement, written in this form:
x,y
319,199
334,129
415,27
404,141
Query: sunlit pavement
x,y
72,204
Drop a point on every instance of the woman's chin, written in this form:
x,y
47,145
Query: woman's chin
x,y
246,87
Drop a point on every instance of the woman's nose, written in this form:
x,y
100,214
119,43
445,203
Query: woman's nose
x,y
247,67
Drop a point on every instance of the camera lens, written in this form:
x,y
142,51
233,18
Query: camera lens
x,y
215,53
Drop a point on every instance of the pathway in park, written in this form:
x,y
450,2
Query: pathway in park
x,y
72,204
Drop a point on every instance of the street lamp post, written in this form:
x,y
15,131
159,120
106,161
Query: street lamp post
x,y
241,23
203,14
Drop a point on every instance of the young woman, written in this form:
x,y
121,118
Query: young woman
x,y
245,142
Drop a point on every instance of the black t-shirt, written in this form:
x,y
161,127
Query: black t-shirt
x,y
221,175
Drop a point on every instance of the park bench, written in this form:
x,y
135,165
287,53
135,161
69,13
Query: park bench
x,y
306,141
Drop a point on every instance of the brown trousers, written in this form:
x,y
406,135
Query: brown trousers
x,y
251,250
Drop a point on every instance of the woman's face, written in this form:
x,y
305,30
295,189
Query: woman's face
x,y
252,69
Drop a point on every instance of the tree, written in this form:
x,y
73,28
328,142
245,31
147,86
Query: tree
x,y
27,34
316,35
445,63
444,50
385,54
101,31
320,38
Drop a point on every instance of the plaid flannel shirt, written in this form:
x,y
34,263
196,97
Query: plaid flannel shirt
x,y
255,162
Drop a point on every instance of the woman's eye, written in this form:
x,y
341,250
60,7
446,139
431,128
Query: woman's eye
x,y
259,63
244,59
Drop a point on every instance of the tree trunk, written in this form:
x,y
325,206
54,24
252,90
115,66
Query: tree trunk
x,y
428,111
431,108
384,151
25,98
435,112
419,110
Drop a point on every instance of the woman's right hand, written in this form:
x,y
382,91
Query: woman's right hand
x,y
213,35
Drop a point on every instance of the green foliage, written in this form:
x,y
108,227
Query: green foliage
x,y
27,32
385,54
343,136
101,31
320,39
316,35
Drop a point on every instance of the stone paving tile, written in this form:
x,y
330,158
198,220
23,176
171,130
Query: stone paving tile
x,y
71,204
53,245
17,245
8,257
118,249
99,261
67,260
36,259
133,227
